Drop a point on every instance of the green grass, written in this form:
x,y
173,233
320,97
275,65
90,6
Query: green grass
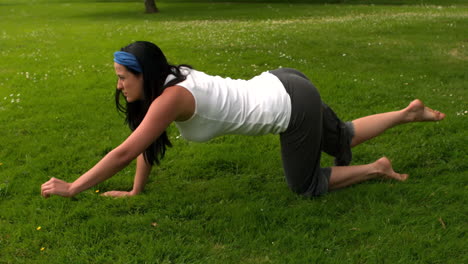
x,y
226,201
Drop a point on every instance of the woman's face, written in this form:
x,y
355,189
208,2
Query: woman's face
x,y
130,84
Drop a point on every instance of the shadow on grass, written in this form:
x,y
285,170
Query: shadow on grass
x,y
238,10
179,10
199,11
359,2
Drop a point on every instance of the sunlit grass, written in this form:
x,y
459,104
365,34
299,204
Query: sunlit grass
x,y
226,201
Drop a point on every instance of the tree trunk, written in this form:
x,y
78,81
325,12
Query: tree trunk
x,y
151,6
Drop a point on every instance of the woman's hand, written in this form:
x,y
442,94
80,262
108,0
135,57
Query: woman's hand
x,y
56,187
118,194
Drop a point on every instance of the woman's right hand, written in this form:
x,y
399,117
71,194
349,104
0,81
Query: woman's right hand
x,y
56,187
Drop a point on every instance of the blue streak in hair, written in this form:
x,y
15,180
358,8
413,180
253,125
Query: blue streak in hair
x,y
127,59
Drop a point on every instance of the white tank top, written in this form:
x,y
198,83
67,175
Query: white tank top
x,y
225,106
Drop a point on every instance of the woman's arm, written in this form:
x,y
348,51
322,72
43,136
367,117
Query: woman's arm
x,y
174,103
143,170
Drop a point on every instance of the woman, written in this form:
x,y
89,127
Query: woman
x,y
282,102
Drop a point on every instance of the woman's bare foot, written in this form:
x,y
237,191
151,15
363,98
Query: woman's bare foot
x,y
384,169
417,112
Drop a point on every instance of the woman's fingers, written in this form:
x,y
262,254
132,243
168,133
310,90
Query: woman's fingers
x,y
43,192
55,186
45,188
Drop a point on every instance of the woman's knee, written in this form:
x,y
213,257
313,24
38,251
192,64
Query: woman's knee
x,y
316,185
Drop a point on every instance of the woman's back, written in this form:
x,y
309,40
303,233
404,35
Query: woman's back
x,y
257,106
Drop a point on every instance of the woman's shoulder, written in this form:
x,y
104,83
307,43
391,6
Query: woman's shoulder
x,y
181,99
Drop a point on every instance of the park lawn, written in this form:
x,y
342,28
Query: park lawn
x,y
226,201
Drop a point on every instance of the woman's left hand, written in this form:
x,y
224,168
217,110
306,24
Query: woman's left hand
x,y
56,187
118,194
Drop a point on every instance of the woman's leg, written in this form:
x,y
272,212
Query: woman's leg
x,y
301,142
369,127
342,176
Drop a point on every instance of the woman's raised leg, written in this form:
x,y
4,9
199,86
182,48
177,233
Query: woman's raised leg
x,y
369,127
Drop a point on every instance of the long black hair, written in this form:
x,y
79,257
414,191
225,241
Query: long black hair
x,y
155,71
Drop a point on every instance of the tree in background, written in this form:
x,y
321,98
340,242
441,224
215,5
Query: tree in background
x,y
151,6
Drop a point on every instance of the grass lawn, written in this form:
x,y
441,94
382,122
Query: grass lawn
x,y
226,201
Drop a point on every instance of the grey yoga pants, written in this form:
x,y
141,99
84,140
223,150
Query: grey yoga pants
x,y
313,128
